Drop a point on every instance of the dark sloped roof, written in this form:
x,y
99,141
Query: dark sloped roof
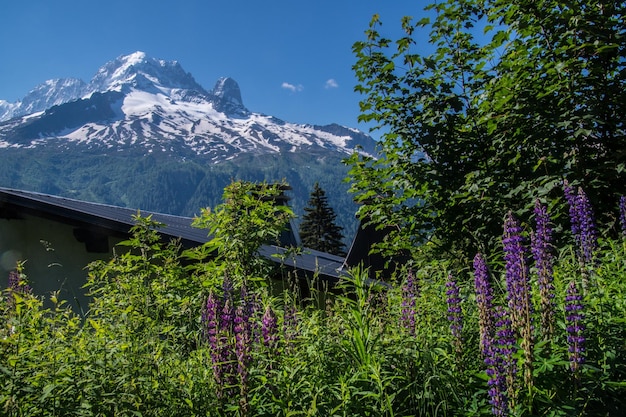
x,y
119,220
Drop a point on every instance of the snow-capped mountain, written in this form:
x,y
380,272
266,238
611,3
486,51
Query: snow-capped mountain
x,y
142,133
144,103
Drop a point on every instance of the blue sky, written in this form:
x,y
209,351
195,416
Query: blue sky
x,y
292,59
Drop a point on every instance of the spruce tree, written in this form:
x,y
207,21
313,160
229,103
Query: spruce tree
x,y
318,229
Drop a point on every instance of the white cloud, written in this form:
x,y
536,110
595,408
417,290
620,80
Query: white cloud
x,y
291,87
331,83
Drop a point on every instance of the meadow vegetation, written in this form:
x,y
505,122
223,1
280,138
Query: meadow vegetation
x,y
534,330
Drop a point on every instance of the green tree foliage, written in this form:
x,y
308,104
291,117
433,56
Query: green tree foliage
x,y
248,218
318,229
508,98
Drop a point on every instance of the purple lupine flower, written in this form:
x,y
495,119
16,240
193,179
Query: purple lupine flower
x,y
269,329
582,223
575,328
622,214
542,254
213,335
518,290
16,285
242,344
290,322
501,366
484,299
517,285
589,233
227,313
410,292
572,202
210,323
14,281
249,302
455,314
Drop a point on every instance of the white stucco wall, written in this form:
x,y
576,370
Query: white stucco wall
x,y
54,259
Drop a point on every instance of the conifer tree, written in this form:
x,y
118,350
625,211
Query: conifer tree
x,y
318,229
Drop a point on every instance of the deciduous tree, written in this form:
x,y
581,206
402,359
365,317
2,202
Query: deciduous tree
x,y
507,100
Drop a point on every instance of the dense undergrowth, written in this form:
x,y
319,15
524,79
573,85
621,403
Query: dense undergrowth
x,y
535,331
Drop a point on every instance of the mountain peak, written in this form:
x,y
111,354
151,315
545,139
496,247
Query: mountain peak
x,y
228,96
139,71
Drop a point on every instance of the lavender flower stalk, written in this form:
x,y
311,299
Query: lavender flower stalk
x,y
518,291
575,328
542,255
455,314
410,293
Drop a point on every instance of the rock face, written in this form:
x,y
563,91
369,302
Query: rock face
x,y
228,96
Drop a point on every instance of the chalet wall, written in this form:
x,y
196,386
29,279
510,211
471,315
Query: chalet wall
x,y
54,259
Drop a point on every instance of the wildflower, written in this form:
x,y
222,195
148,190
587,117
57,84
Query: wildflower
x,y
228,312
212,331
575,328
588,232
16,285
622,214
518,290
209,320
542,255
582,224
410,292
242,345
501,366
269,329
455,314
572,202
250,303
484,299
290,321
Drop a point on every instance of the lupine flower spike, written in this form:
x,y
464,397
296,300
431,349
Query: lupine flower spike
x,y
583,229
489,334
484,299
501,366
269,330
455,314
622,214
17,285
518,290
542,255
575,328
242,351
210,321
409,303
